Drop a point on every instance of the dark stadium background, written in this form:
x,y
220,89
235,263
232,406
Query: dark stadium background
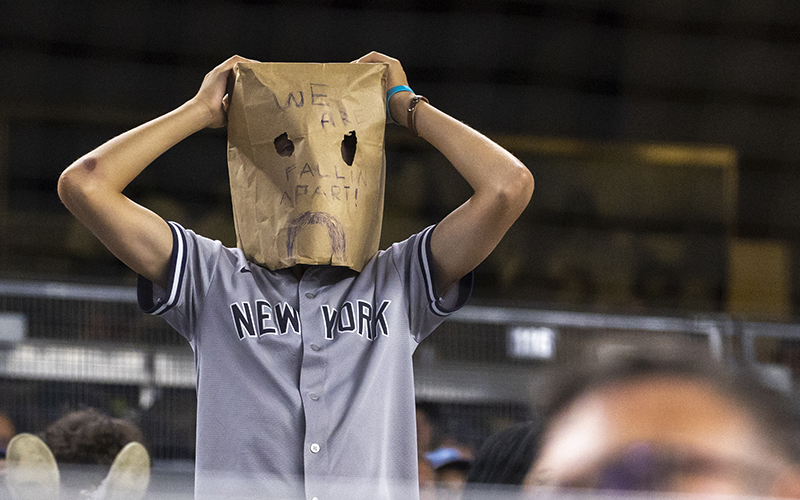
x,y
664,138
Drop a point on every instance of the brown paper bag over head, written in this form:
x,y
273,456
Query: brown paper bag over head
x,y
306,162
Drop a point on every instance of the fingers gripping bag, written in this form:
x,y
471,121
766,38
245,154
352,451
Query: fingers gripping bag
x,y
306,161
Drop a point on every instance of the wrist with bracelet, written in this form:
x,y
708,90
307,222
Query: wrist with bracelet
x,y
411,109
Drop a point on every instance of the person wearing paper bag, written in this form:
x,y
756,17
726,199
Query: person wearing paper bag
x,y
305,383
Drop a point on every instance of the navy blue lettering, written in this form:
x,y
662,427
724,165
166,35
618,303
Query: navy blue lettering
x,y
306,170
364,319
329,316
364,322
380,319
286,316
243,320
347,312
263,317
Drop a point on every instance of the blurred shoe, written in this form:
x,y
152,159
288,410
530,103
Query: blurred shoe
x,y
129,475
31,470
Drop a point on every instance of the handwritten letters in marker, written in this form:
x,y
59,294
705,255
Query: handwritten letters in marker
x,y
339,182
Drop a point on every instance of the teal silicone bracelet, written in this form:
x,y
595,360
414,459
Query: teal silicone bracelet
x,y
392,91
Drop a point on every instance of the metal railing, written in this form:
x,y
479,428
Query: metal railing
x,y
91,345
97,334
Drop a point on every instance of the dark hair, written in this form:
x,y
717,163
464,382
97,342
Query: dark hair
x,y
775,413
506,457
89,437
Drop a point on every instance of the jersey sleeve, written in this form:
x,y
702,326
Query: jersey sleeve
x,y
427,307
193,265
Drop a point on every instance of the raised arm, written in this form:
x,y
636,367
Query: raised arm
x,y
91,188
502,184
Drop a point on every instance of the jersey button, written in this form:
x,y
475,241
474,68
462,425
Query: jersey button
x,y
313,396
314,347
314,448
310,295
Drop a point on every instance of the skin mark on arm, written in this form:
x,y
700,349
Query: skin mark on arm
x,y
89,164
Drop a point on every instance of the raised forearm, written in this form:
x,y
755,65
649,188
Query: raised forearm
x,y
488,168
91,188
112,166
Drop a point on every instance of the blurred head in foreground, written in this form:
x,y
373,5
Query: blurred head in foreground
x,y
506,457
671,423
7,431
89,437
450,467
93,454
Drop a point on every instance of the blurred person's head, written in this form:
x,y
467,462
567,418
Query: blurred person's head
x,y
7,431
429,424
427,480
84,454
450,467
85,444
89,437
424,428
672,423
506,457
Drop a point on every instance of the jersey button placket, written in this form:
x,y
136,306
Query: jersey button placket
x,y
312,380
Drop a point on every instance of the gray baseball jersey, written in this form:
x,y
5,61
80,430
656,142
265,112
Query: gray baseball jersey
x,y
305,384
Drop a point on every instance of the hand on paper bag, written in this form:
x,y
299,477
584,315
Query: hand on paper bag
x,y
213,92
395,76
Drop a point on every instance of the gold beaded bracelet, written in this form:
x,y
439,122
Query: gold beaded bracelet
x,y
412,111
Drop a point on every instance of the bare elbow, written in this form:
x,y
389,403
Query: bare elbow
x,y
67,188
517,189
526,182
73,183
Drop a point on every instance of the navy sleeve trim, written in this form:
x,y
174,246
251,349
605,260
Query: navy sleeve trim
x,y
426,263
177,266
